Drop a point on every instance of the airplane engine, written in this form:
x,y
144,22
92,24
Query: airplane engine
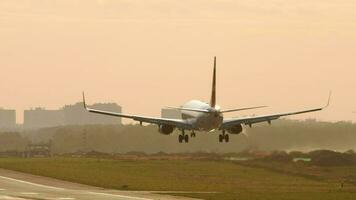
x,y
237,129
166,129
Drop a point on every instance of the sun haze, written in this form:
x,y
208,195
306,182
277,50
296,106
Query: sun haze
x,y
148,54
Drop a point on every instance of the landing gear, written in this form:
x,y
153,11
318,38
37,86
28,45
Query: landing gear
x,y
192,134
183,137
223,137
186,138
180,138
226,138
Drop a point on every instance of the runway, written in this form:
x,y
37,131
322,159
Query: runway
x,y
21,186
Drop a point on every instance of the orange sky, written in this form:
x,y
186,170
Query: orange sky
x,y
148,54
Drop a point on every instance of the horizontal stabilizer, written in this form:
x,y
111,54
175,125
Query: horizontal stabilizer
x,y
191,109
241,109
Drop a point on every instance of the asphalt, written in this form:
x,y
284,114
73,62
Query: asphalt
x,y
21,186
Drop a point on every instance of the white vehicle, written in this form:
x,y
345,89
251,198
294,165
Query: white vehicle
x,y
201,116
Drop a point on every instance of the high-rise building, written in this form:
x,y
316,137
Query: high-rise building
x,y
69,115
76,114
171,113
41,118
7,119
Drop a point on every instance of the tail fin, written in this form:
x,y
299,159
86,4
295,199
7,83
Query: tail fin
x,y
213,92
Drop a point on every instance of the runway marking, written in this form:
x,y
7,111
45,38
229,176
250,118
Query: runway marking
x,y
120,196
10,198
29,193
29,183
2,189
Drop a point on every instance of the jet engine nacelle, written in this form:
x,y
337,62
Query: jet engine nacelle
x,y
166,129
237,129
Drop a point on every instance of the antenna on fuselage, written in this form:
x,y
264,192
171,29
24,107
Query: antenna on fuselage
x,y
213,91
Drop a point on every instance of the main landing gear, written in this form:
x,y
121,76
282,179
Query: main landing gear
x,y
183,137
223,137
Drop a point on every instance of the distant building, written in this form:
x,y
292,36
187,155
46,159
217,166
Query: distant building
x,y
42,118
171,113
7,119
69,115
76,114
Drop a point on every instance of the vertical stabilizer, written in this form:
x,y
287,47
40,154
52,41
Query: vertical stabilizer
x,y
213,91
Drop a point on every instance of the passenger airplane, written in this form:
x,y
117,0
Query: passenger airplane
x,y
201,116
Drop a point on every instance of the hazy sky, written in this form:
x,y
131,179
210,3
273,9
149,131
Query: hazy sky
x,y
148,54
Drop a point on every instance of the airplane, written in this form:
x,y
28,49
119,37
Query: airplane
x,y
201,116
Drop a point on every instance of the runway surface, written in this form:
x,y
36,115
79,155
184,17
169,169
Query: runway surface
x,y
21,186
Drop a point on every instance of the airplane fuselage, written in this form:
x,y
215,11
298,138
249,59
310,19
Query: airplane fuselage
x,y
202,121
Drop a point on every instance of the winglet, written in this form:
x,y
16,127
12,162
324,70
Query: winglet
x,y
84,104
328,103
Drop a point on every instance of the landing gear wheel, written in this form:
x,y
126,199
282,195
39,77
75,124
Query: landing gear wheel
x,y
226,138
180,138
192,134
186,138
221,138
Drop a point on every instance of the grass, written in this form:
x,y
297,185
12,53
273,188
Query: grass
x,y
230,180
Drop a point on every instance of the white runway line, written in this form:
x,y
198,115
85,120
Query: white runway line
x,y
2,197
29,193
2,189
120,196
29,183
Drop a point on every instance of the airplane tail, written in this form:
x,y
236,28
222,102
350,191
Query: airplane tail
x,y
213,92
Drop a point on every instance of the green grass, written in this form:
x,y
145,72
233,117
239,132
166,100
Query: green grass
x,y
229,179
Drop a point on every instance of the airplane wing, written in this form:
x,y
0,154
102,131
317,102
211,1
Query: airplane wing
x,y
178,123
227,123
